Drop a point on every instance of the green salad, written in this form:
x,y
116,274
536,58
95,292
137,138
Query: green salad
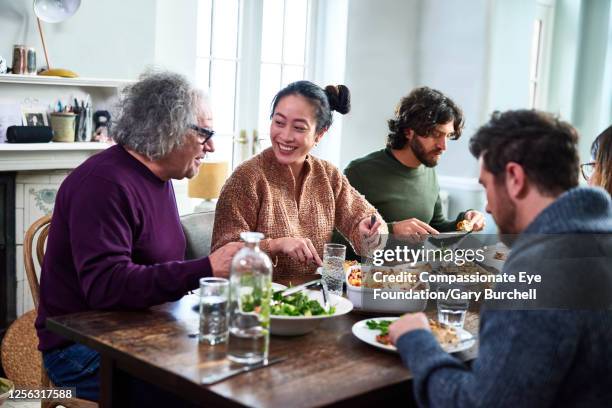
x,y
298,304
382,325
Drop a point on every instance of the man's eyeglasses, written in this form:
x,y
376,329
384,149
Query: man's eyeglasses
x,y
203,132
587,170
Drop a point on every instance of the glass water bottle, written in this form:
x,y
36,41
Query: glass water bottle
x,y
250,297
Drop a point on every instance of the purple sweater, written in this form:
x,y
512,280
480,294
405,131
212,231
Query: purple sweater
x,y
115,243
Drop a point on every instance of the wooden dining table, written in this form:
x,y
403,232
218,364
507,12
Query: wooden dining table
x,y
327,367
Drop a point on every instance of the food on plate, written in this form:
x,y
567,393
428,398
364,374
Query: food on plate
x,y
400,277
383,327
354,277
298,304
445,335
500,256
465,226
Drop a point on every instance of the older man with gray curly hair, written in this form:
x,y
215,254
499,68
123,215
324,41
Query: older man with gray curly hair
x,y
115,240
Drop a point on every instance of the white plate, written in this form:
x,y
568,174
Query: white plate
x,y
277,286
361,331
297,325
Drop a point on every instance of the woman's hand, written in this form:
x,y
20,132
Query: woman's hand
x,y
300,249
476,218
221,259
370,233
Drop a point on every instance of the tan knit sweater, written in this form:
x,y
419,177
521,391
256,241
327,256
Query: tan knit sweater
x,y
259,196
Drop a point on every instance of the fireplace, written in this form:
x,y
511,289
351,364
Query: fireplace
x,y
8,282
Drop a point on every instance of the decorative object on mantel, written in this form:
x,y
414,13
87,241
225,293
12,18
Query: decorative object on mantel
x,y
63,125
207,184
31,61
3,67
10,115
102,124
54,11
45,199
29,134
19,59
32,116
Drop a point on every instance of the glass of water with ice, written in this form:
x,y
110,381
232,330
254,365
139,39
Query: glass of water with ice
x,y
213,310
453,308
333,267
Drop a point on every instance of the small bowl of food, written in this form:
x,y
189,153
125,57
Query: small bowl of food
x,y
304,311
396,289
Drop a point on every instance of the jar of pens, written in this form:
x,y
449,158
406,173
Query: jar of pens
x,y
72,122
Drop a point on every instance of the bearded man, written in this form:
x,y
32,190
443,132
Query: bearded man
x,y
400,180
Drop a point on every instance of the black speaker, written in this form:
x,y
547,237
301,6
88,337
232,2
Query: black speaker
x,y
29,134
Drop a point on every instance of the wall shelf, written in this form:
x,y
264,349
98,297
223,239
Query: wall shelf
x,y
46,156
59,81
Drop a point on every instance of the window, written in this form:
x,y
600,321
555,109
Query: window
x,y
247,51
217,61
541,43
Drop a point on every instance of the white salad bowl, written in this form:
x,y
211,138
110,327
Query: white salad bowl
x,y
298,325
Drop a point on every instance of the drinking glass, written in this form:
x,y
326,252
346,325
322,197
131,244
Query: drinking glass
x,y
213,310
452,311
333,267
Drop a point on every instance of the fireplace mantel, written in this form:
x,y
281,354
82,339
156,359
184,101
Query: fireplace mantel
x,y
46,156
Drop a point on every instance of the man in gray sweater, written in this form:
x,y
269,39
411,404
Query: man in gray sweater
x,y
555,351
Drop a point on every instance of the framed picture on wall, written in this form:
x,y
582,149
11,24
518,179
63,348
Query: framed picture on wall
x,y
34,117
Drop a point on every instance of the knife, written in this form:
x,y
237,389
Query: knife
x,y
325,296
299,288
215,378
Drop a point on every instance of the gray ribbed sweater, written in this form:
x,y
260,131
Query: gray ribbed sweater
x,y
530,358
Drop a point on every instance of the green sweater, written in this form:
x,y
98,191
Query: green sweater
x,y
399,192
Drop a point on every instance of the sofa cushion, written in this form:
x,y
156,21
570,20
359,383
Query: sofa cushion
x,y
198,228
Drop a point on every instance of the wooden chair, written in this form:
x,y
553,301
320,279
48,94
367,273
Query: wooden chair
x,y
21,359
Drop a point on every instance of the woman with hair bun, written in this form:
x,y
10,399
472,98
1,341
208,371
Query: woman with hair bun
x,y
294,199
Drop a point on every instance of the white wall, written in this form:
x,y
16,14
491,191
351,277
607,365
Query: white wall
x,y
109,39
175,36
381,45
453,58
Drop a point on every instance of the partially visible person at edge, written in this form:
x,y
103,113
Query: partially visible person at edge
x,y
529,357
599,171
116,240
292,197
400,180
